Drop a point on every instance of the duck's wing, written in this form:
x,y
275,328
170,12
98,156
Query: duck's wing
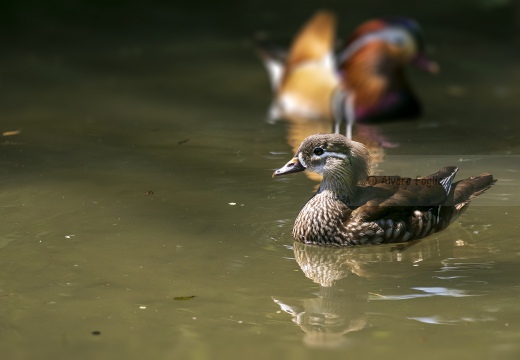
x,y
387,194
404,208
314,42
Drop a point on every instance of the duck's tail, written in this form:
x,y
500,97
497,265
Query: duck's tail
x,y
273,57
466,190
461,194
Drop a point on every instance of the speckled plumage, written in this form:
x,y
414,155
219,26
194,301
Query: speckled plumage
x,y
351,209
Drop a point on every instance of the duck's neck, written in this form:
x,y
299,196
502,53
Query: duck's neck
x,y
341,184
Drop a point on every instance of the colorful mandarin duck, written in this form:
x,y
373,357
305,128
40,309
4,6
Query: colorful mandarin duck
x,y
365,82
351,208
372,69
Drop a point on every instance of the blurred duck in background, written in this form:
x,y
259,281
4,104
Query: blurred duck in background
x,y
304,78
372,72
363,82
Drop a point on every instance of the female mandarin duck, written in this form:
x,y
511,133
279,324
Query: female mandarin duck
x,y
365,83
350,208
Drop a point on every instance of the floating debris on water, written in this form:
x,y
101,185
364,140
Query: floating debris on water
x,y
11,133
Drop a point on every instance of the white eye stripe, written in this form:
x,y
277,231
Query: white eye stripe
x,y
300,158
325,154
393,35
336,155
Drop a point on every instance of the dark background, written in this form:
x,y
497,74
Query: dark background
x,y
82,57
31,21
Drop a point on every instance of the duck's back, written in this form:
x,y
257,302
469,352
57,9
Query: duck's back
x,y
410,209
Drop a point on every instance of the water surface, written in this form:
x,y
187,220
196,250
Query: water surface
x,y
140,218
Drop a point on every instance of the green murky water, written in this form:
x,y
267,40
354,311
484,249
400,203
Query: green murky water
x,y
140,219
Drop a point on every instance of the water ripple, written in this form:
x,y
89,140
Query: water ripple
x,y
438,320
426,292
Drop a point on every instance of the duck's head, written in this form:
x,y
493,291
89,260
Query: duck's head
x,y
402,37
329,155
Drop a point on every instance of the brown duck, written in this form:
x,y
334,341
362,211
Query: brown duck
x,y
351,208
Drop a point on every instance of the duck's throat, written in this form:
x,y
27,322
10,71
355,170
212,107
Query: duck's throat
x,y
340,185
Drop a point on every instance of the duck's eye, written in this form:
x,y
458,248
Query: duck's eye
x,y
318,151
399,41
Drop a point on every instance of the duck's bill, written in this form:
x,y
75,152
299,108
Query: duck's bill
x,y
423,63
293,166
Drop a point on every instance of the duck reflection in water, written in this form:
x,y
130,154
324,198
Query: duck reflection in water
x,y
341,303
347,278
316,90
340,306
